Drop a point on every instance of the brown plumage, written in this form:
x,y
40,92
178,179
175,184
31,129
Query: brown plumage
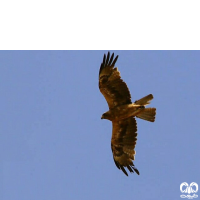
x,y
122,113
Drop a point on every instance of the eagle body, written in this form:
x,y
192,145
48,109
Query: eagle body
x,y
122,113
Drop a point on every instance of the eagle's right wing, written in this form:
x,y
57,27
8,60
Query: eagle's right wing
x,y
124,137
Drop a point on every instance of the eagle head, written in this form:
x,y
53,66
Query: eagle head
x,y
106,115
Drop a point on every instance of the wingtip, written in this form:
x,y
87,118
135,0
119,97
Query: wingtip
x,y
136,170
108,58
122,168
131,168
108,61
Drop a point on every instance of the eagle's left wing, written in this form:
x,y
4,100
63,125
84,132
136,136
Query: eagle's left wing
x,y
124,137
113,88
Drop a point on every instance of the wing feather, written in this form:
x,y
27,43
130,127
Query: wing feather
x,y
113,88
111,59
108,58
124,137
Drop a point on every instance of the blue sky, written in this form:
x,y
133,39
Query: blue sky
x,y
55,146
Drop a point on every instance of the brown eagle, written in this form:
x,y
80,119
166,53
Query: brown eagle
x,y
122,113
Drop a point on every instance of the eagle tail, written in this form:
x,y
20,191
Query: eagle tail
x,y
147,114
145,100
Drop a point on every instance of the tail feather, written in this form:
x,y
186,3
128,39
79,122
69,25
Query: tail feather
x,y
145,100
148,114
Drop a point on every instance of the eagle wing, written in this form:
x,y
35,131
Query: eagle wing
x,y
124,137
113,88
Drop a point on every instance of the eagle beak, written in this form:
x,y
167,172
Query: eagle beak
x,y
102,117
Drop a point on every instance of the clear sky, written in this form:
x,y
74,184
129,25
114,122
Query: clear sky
x,y
54,145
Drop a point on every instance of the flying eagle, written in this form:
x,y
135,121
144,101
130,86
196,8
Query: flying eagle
x,y
122,113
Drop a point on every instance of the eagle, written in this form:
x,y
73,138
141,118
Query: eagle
x,y
122,113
